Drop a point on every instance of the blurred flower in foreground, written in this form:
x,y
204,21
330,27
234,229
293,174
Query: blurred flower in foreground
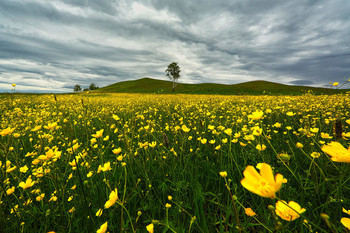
x,y
337,152
103,228
263,184
345,222
290,211
150,228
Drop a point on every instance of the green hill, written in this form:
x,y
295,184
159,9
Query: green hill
x,y
148,85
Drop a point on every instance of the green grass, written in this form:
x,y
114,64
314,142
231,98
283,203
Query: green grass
x,y
148,85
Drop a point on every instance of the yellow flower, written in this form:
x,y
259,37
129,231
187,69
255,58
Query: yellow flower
x,y
346,211
170,198
315,154
103,228
223,174
249,212
263,184
40,197
53,198
117,151
256,115
299,145
150,228
290,211
29,183
345,222
260,147
89,174
51,126
153,144
113,197
185,129
228,132
106,167
6,131
23,169
115,117
10,190
335,84
337,152
13,84
290,113
99,213
167,205
38,127
98,134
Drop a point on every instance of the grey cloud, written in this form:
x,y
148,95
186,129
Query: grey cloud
x,y
84,41
301,82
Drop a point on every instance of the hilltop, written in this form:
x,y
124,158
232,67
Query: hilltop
x,y
149,85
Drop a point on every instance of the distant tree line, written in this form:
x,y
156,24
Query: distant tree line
x,y
92,87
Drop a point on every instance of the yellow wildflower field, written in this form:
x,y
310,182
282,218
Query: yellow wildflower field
x,y
178,163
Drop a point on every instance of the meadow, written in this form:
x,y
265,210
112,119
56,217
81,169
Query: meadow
x,y
97,162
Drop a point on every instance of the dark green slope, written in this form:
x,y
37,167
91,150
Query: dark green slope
x,y
148,85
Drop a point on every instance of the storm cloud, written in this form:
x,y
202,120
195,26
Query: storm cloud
x,y
50,46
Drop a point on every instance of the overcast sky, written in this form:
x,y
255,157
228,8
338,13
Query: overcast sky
x,y
51,45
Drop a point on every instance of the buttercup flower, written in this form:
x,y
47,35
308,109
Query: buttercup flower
x,y
290,211
249,212
345,222
29,183
223,174
98,134
103,228
263,184
256,115
150,228
6,131
113,197
337,152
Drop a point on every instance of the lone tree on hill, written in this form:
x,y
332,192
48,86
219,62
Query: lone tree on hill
x,y
77,88
173,72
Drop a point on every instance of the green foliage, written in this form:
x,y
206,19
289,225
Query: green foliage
x,y
93,87
77,88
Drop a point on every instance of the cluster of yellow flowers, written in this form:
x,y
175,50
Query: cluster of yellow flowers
x,y
49,146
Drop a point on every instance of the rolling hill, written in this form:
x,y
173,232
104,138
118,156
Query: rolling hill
x,y
148,85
